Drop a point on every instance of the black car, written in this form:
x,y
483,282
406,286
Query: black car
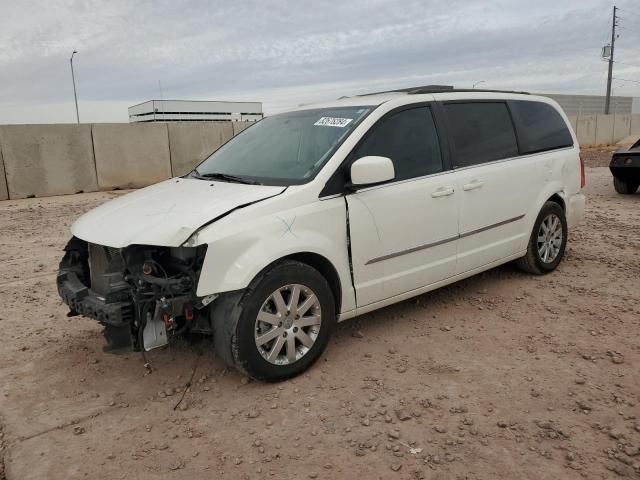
x,y
625,167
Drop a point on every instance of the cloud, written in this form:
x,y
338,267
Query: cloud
x,y
289,52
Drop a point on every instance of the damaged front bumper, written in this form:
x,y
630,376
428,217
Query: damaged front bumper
x,y
116,317
142,295
82,301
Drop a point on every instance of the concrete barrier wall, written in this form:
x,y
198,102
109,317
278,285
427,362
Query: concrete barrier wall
x,y
240,126
635,125
45,160
4,191
604,129
573,120
586,130
131,155
621,127
192,142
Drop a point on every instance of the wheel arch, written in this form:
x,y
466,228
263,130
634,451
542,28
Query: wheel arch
x,y
554,193
326,269
321,263
557,198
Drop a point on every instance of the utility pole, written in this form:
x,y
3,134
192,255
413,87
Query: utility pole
x,y
610,77
73,79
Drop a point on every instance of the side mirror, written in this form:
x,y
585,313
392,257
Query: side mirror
x,y
371,170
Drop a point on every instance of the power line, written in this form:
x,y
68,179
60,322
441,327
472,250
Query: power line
x,y
627,64
626,27
629,12
626,80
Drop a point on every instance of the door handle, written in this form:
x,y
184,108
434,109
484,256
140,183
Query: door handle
x,y
443,192
472,185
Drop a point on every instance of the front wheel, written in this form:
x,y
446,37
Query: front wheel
x,y
547,242
286,319
625,188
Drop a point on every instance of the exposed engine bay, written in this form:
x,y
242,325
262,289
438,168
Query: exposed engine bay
x,y
141,294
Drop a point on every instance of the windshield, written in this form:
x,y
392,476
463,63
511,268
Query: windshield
x,y
285,149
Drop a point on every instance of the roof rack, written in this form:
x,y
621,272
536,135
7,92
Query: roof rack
x,y
410,90
453,90
440,89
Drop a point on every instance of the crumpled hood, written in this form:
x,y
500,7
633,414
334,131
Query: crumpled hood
x,y
167,213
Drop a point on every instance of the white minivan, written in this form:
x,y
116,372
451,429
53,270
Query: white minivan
x,y
326,212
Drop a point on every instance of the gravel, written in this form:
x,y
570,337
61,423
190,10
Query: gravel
x,y
503,375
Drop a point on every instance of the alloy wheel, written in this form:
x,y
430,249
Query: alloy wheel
x,y
549,238
288,324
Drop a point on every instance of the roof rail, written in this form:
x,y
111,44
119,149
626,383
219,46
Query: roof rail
x,y
418,91
438,89
410,90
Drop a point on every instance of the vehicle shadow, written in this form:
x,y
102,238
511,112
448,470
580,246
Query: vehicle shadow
x,y
407,310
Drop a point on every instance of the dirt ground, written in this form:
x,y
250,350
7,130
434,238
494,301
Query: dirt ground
x,y
503,375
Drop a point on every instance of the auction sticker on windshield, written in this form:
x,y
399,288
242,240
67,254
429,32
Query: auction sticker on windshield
x,y
333,122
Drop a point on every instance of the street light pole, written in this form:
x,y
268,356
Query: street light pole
x,y
73,78
476,84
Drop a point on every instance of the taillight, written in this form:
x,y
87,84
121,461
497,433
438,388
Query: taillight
x,y
583,181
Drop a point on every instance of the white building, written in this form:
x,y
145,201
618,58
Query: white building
x,y
195,111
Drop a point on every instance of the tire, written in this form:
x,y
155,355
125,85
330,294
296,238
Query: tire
x,y
297,347
625,188
540,260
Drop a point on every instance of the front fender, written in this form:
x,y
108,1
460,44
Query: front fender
x,y
240,246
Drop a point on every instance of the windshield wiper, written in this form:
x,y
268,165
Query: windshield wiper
x,y
227,177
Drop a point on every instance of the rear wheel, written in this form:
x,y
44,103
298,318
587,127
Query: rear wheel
x,y
547,242
285,322
625,188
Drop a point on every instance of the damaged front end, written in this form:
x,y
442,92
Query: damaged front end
x,y
141,294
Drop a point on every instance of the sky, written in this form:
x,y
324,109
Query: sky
x,y
287,52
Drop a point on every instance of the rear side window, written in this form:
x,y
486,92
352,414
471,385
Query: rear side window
x,y
481,132
409,139
540,127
